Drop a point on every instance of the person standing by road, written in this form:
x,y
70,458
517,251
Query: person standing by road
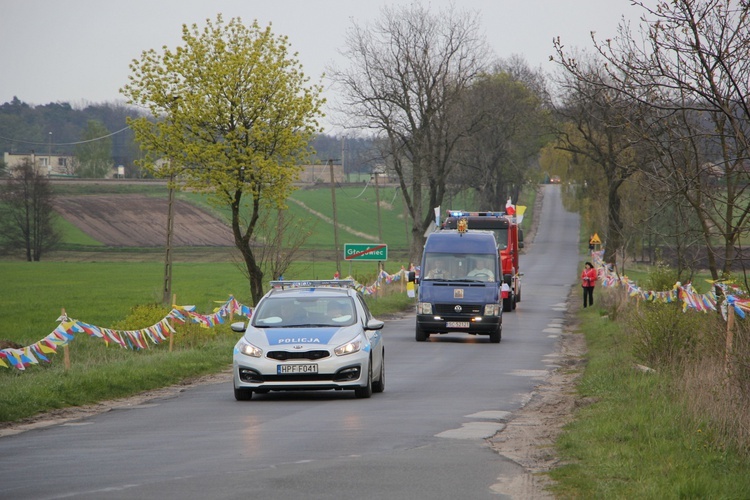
x,y
588,281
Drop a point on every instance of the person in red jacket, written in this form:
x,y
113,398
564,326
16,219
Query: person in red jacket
x,y
588,281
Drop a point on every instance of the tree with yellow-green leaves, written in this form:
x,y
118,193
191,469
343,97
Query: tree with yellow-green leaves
x,y
232,115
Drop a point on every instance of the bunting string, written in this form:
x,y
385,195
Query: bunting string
x,y
21,358
690,298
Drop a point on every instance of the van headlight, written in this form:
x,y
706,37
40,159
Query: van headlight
x,y
350,347
424,308
492,310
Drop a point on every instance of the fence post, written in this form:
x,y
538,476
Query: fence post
x,y
171,334
730,340
66,349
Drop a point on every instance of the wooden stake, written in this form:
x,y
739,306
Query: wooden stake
x,y
730,340
66,349
171,334
66,357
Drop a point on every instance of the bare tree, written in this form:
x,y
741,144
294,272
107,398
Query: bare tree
x,y
280,241
690,64
596,119
26,214
408,71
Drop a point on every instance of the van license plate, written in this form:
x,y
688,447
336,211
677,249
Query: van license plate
x,y
457,324
306,368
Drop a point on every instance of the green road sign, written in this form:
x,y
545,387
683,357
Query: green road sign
x,y
365,251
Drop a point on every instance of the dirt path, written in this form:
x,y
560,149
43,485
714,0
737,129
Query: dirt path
x,y
529,436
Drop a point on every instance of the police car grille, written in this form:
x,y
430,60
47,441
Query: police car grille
x,y
285,355
446,309
299,377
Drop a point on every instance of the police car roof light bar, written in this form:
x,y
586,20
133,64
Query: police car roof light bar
x,y
283,284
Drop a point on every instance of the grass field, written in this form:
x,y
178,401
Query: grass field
x,y
309,206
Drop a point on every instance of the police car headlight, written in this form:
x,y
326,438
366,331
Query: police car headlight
x,y
424,308
249,349
350,347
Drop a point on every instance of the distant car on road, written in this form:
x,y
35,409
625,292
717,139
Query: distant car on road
x,y
309,335
554,179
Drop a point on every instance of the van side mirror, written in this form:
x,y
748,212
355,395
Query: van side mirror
x,y
520,238
412,277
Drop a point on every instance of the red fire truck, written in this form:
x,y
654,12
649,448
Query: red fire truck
x,y
509,238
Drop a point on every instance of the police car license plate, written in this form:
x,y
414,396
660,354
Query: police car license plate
x,y
457,324
298,368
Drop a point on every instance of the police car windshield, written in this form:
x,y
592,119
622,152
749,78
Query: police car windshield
x,y
308,311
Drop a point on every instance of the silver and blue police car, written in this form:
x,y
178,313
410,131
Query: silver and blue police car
x,y
309,335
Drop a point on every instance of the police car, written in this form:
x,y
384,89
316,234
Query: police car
x,y
309,335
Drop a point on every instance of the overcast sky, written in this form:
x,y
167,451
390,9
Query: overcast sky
x,y
78,51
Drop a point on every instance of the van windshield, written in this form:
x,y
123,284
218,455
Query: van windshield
x,y
459,266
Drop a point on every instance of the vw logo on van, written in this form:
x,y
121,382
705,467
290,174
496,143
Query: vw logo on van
x,y
457,308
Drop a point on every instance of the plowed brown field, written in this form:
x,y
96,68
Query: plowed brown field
x,y
141,221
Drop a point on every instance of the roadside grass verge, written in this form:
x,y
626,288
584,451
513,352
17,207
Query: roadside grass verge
x,y
100,373
635,436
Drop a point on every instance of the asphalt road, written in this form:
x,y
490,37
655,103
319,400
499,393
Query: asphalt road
x,y
424,437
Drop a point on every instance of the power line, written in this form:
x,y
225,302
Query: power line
x,y
65,143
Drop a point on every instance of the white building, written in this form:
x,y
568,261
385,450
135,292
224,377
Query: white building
x,y
50,164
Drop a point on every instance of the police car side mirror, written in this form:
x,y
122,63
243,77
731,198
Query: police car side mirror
x,y
238,327
374,324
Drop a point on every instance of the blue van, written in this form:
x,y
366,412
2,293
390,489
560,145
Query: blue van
x,y
460,285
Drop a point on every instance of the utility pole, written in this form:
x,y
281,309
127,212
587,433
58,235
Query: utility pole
x,y
335,220
49,156
377,201
343,156
167,299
